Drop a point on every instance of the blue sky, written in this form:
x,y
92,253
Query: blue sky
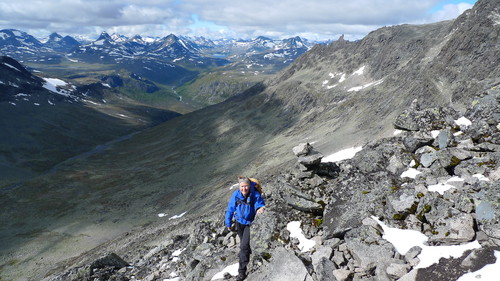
x,y
312,19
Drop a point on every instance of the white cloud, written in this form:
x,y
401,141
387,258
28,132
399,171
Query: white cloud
x,y
314,19
450,11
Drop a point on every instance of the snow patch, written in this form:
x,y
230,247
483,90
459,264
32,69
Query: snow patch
x,y
342,78
359,71
161,215
177,216
342,155
15,68
455,178
359,88
51,84
295,231
397,132
481,177
410,173
435,133
231,269
440,187
462,121
178,252
405,239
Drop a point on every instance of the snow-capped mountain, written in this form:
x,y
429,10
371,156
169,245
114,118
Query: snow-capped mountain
x,y
61,44
18,43
171,60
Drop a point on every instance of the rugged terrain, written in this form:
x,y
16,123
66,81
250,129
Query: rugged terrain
x,y
337,96
439,177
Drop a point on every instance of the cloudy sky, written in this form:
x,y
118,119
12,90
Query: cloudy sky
x,y
312,19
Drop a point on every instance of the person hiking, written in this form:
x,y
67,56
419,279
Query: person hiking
x,y
244,204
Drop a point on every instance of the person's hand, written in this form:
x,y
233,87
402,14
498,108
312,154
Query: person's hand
x,y
260,210
232,228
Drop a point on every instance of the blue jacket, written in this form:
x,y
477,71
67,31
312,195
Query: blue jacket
x,y
243,210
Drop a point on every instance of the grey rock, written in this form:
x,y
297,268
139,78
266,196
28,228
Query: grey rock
x,y
467,144
284,265
368,256
324,269
302,149
303,204
402,202
443,139
396,165
410,276
427,159
110,260
492,230
413,253
485,211
413,223
455,229
320,253
313,158
342,274
263,231
414,142
314,181
397,270
338,258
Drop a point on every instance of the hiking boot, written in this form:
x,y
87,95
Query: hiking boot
x,y
241,277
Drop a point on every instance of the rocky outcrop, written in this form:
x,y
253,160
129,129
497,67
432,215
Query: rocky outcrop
x,y
446,189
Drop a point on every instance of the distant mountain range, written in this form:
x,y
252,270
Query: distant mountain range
x,y
169,62
198,50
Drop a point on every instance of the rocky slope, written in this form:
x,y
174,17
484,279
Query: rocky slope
x,y
439,176
337,96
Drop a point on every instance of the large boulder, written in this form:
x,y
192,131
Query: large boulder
x,y
283,265
263,232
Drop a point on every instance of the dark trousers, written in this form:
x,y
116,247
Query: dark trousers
x,y
245,251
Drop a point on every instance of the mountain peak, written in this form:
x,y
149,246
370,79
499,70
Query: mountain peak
x,y
55,37
104,36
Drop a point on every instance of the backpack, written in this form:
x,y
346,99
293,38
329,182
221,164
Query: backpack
x,y
257,185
